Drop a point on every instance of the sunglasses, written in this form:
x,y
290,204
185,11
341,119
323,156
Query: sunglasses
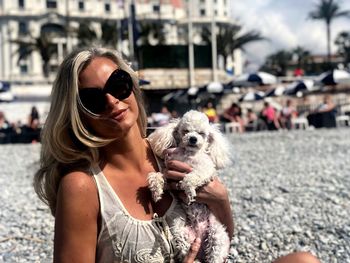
x,y
94,100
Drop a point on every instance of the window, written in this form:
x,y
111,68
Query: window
x,y
51,4
202,12
21,4
23,68
156,8
22,28
81,5
107,7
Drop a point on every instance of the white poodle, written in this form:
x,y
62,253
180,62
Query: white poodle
x,y
204,148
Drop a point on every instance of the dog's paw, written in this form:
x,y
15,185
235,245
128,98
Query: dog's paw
x,y
156,184
190,192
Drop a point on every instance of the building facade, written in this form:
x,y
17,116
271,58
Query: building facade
x,y
27,20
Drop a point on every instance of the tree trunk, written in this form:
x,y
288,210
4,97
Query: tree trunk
x,y
46,69
329,44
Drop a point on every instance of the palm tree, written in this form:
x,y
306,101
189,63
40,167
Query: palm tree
x,y
109,35
230,38
42,44
327,10
86,35
343,43
150,31
278,62
303,56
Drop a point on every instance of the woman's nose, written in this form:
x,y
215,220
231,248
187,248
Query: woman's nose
x,y
111,101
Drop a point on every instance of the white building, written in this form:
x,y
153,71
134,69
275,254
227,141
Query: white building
x,y
27,19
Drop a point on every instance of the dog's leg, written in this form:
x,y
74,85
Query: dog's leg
x,y
218,242
156,184
181,237
195,179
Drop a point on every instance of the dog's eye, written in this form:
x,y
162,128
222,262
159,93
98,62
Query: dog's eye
x,y
202,133
186,131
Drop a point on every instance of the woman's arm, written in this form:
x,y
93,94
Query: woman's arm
x,y
76,219
214,194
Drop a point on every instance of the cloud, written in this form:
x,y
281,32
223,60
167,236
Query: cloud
x,y
287,26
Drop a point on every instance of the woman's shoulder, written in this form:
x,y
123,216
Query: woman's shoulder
x,y
78,188
77,180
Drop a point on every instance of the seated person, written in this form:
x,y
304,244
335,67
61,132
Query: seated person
x,y
210,111
233,114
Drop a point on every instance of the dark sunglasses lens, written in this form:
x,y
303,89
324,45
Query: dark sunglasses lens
x,y
119,85
93,99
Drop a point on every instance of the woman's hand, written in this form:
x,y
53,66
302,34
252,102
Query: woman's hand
x,y
214,194
191,256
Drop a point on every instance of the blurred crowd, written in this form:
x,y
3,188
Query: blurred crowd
x,y
269,118
17,132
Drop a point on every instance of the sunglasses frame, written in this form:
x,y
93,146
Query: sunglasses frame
x,y
107,87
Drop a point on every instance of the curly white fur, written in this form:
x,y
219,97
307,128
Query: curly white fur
x,y
205,149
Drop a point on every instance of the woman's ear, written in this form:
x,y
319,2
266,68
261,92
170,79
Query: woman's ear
x,y
163,138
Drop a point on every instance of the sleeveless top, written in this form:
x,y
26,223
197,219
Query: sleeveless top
x,y
124,239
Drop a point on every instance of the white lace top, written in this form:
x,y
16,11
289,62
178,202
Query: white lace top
x,y
123,238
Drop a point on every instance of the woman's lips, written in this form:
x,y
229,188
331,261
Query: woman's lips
x,y
119,115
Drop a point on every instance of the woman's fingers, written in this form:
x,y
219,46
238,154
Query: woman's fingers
x,y
191,256
178,165
176,170
174,175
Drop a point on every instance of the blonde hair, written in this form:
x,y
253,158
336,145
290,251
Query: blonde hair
x,y
67,144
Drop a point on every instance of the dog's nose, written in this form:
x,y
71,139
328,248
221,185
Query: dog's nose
x,y
193,140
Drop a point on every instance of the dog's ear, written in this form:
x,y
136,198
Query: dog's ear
x,y
176,134
163,138
218,148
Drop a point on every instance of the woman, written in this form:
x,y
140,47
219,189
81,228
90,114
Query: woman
x,y
94,166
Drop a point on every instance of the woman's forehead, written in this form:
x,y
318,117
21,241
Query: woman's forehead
x,y
97,72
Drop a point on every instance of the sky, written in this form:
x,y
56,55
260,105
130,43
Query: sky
x,y
286,24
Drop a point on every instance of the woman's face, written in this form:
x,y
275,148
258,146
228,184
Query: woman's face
x,y
120,115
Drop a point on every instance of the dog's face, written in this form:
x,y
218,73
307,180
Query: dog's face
x,y
193,131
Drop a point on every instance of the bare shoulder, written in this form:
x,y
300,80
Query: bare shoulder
x,y
77,182
78,188
76,219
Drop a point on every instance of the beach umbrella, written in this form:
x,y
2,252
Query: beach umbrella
x,y
258,78
275,92
252,96
4,86
144,82
299,87
215,87
334,77
212,87
7,96
175,95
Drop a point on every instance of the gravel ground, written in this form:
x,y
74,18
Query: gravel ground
x,y
290,191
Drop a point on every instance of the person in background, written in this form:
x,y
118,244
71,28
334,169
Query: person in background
x,y
327,105
210,111
161,118
268,114
4,124
34,118
233,114
287,114
6,129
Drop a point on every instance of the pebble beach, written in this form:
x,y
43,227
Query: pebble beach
x,y
290,191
